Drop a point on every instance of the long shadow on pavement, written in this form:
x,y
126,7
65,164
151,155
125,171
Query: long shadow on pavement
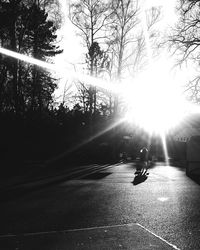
x,y
23,190
96,176
139,179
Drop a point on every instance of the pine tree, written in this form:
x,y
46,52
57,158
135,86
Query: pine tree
x,y
39,38
26,29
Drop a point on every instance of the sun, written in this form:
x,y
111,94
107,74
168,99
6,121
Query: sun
x,y
154,101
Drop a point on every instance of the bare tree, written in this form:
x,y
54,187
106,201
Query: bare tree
x,y
82,96
193,90
65,98
124,20
90,17
184,41
116,24
185,37
148,37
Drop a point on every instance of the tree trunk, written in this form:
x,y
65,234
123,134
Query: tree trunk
x,y
13,44
3,75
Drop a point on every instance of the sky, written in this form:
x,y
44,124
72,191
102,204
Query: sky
x,y
161,82
73,55
72,43
156,92
160,71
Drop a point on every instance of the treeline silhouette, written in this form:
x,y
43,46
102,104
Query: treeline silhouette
x,y
62,136
32,129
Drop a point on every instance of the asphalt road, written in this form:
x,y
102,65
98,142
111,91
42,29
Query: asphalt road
x,y
103,209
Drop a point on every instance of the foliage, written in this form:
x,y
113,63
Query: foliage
x,y
32,128
27,30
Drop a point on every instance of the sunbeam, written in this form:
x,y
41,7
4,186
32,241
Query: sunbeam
x,y
152,99
90,139
28,59
87,79
164,144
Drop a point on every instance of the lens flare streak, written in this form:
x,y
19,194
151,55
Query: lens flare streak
x,y
152,105
27,59
87,79
164,144
90,139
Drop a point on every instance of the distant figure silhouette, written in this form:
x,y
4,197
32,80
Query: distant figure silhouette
x,y
141,168
144,154
143,159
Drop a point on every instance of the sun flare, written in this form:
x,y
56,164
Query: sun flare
x,y
154,101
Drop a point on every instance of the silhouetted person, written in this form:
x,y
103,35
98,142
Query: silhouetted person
x,y
144,154
143,159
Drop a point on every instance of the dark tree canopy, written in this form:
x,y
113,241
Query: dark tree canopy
x,y
25,28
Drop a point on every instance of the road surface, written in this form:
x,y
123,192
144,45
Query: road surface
x,y
102,208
